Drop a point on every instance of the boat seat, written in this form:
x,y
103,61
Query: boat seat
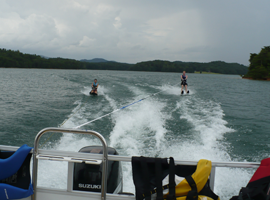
x,y
15,180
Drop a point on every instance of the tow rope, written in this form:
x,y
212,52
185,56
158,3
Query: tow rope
x,y
76,127
103,115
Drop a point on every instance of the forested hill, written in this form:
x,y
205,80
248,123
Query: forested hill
x,y
259,67
16,59
190,67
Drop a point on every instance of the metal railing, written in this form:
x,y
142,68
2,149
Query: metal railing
x,y
71,157
61,130
194,163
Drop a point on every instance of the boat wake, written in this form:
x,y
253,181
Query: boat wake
x,y
206,140
184,128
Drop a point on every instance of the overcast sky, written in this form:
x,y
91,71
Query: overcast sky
x,y
137,30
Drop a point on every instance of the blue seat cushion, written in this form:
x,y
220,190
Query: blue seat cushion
x,y
12,164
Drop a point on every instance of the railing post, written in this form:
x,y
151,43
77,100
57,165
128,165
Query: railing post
x,y
212,178
70,176
34,175
60,130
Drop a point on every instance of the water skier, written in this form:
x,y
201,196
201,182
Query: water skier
x,y
184,82
94,87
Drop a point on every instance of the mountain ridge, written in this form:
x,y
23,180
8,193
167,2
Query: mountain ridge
x,y
16,59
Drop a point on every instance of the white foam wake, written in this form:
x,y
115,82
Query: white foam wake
x,y
141,130
206,142
138,131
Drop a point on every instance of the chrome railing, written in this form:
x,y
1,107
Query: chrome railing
x,y
36,156
194,163
73,157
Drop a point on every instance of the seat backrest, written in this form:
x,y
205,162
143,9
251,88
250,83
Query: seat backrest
x,y
15,182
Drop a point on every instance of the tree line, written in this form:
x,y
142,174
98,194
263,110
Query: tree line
x,y
259,67
16,59
190,67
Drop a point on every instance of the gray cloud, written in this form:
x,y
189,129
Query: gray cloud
x,y
133,31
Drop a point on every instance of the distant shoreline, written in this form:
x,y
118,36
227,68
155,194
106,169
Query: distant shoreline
x,y
121,70
197,72
16,59
268,79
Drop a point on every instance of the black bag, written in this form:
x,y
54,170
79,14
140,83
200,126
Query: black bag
x,y
258,187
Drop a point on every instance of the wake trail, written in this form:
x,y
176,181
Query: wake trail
x,y
153,94
139,130
206,141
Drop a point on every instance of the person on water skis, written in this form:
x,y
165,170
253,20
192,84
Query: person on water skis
x,y
94,87
184,82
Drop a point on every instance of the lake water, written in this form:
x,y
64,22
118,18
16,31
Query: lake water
x,y
224,118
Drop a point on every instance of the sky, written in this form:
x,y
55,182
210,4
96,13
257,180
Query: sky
x,y
132,31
